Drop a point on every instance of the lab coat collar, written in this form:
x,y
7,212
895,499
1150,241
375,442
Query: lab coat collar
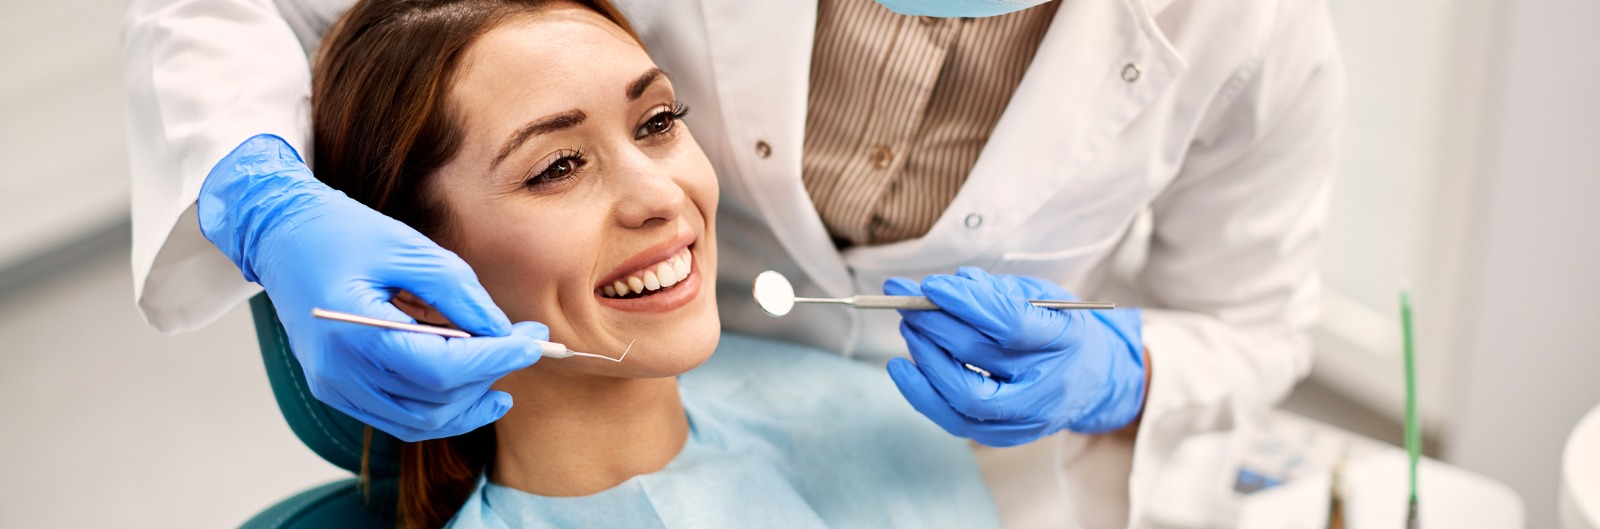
x,y
1075,97
1071,102
761,56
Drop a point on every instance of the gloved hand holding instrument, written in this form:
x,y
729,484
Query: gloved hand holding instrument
x,y
311,246
1049,370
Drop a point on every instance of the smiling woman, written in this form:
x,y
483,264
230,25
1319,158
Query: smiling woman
x,y
538,140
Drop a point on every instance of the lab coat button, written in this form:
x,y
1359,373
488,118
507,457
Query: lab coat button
x,y
763,150
973,221
1130,72
881,157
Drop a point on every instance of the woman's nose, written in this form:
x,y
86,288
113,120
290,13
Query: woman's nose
x,y
649,194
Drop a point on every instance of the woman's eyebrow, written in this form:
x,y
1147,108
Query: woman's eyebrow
x,y
637,87
548,124
571,118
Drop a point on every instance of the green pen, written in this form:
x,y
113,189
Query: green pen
x,y
1413,435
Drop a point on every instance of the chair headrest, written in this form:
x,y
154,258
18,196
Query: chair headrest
x,y
336,437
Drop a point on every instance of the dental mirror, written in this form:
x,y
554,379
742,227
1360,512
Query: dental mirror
x,y
774,293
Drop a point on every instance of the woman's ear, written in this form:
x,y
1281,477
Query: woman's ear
x,y
419,310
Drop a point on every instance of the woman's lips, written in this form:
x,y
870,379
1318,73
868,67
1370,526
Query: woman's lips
x,y
647,260
663,299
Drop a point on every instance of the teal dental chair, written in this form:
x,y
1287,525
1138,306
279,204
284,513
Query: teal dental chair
x,y
331,434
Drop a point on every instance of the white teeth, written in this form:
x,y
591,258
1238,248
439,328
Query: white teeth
x,y
666,275
680,266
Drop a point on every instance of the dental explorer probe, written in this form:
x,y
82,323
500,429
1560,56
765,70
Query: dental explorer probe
x,y
776,296
546,349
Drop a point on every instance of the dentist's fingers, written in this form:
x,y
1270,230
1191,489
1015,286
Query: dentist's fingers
x,y
925,399
900,286
366,403
953,335
489,408
965,343
1037,288
416,398
426,364
442,280
997,310
918,391
965,390
434,412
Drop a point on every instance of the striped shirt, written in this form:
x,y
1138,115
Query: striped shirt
x,y
900,107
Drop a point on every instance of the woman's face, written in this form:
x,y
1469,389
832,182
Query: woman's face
x,y
574,177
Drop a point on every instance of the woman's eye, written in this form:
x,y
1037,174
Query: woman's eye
x,y
662,122
561,169
659,124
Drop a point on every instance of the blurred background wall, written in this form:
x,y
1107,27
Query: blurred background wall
x,y
1470,169
65,172
104,422
1529,329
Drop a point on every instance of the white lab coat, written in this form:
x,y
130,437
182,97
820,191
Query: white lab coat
x,y
1215,116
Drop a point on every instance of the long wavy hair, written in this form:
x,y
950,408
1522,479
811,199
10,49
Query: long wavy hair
x,y
381,126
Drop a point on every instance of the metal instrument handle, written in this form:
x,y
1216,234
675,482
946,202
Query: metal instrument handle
x,y
867,301
923,303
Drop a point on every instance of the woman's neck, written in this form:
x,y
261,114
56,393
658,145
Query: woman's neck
x,y
575,435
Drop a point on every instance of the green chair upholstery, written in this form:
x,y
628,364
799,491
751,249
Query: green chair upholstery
x,y
330,433
339,504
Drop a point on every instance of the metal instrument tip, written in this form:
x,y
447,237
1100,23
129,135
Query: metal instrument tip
x,y
617,359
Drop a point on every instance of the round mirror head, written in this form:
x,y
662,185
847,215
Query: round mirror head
x,y
774,293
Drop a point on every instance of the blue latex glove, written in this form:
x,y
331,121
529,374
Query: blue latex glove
x,y
1050,369
311,246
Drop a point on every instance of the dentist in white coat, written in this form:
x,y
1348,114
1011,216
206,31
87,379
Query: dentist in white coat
x,y
1214,117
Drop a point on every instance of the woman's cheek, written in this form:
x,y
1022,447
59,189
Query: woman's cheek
x,y
508,258
533,260
703,178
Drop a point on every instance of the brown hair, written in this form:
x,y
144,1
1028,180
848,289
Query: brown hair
x,y
381,125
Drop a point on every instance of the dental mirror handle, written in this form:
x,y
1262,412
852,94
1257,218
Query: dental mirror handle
x,y
865,301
